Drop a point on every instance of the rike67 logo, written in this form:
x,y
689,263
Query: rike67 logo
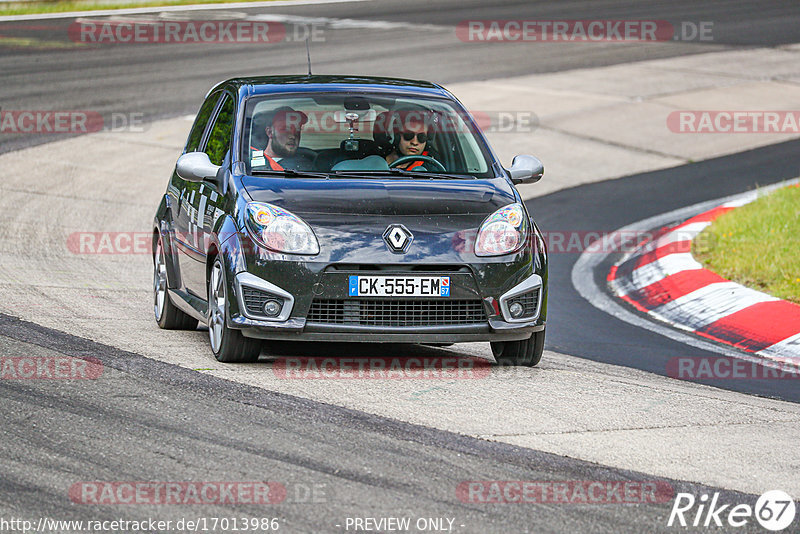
x,y
774,510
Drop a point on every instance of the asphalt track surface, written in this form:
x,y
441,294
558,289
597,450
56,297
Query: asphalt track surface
x,y
161,81
153,421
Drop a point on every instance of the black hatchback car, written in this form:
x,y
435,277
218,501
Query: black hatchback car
x,y
347,209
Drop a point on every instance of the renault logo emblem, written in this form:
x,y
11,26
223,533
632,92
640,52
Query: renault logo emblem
x,y
398,238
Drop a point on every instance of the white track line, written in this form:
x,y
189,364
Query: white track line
x,y
709,304
347,24
685,233
661,268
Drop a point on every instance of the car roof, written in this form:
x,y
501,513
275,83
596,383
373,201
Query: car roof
x,y
258,85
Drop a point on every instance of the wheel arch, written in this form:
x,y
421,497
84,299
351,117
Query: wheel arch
x,y
226,244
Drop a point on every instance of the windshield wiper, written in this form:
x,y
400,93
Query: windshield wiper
x,y
407,173
289,173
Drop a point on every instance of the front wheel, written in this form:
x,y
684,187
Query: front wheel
x,y
527,352
228,345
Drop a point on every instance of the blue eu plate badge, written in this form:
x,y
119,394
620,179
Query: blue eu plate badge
x,y
398,286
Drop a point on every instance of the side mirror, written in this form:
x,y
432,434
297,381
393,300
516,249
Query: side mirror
x,y
196,167
526,169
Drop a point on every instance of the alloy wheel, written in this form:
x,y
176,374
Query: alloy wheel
x,y
159,282
216,307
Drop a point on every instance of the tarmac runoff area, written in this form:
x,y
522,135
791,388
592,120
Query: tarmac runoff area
x,y
568,406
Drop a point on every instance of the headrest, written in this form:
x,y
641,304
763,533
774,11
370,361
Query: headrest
x,y
382,133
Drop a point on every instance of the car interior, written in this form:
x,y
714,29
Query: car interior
x,y
346,133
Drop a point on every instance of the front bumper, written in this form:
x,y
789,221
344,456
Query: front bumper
x,y
468,285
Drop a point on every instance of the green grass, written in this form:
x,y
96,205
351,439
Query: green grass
x,y
31,8
39,44
757,245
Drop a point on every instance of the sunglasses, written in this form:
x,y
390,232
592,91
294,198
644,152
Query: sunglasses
x,y
421,137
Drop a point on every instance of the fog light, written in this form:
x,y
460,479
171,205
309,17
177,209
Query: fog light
x,y
272,308
516,310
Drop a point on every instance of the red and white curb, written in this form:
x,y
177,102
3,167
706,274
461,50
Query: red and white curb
x,y
662,279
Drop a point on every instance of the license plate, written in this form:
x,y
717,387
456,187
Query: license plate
x,y
399,286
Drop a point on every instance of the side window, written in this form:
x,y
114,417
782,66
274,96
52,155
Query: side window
x,y
219,140
200,122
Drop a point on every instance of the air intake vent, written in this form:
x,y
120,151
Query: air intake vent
x,y
255,299
529,302
396,312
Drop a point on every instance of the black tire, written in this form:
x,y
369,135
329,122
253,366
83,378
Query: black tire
x,y
232,346
527,352
167,315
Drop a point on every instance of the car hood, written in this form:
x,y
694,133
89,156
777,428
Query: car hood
x,y
349,217
381,197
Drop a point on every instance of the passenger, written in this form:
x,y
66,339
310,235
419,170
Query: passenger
x,y
411,138
283,128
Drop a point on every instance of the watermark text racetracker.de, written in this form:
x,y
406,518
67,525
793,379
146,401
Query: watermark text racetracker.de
x,y
39,121
134,31
734,122
554,241
488,121
727,368
381,368
49,368
582,31
177,493
564,492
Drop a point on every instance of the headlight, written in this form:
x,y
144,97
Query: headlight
x,y
503,232
276,229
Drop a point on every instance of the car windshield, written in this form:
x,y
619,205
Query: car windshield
x,y
345,134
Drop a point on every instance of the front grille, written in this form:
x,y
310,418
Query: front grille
x,y
529,301
396,312
254,300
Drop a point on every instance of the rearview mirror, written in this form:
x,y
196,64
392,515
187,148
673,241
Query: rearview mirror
x,y
364,115
196,167
526,169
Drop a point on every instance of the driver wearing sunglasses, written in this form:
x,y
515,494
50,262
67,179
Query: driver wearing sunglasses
x,y
411,140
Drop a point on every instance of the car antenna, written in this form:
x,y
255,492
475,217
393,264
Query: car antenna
x,y
308,56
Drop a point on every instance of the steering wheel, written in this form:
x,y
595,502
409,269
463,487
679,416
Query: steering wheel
x,y
428,159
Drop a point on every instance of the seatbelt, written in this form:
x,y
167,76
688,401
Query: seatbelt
x,y
272,163
415,164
